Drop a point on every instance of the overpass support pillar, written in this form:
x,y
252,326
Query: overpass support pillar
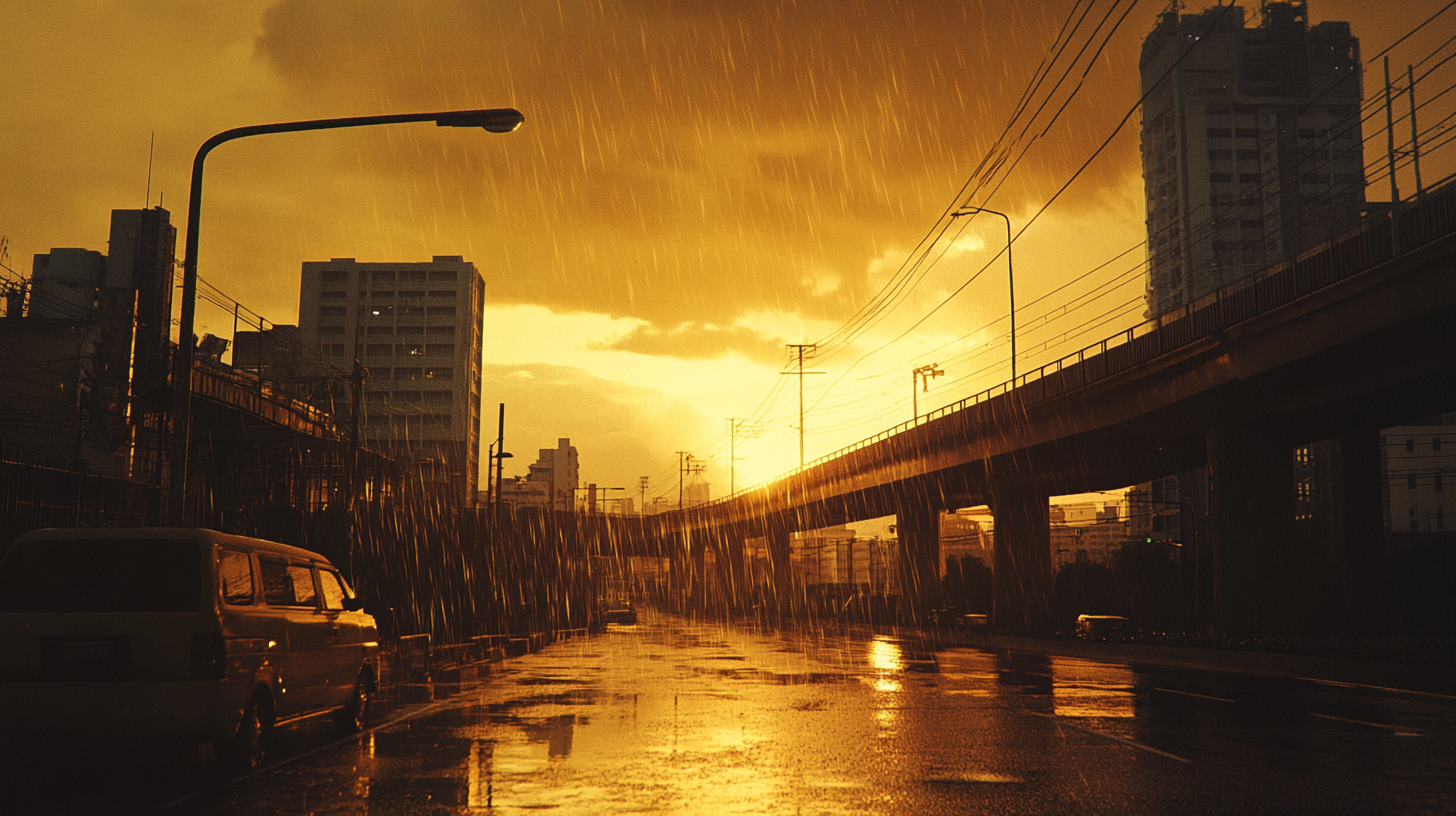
x,y
1251,513
1021,583
1363,489
697,545
918,527
776,537
730,568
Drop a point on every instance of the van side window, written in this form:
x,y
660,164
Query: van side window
x,y
287,584
333,590
235,573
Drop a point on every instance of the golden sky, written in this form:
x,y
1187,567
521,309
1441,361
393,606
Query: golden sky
x,y
696,184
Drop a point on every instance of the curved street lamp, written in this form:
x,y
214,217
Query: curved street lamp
x,y
1010,277
496,120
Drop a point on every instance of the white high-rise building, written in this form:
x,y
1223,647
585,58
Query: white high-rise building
x,y
1250,144
416,328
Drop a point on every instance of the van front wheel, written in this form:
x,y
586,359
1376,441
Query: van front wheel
x,y
352,718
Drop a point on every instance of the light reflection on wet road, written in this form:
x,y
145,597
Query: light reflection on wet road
x,y
677,717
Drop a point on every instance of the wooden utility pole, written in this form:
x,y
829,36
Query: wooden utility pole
x,y
801,350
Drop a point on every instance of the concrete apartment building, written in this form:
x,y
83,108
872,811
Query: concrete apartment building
x,y
1251,152
1251,144
416,328
1420,469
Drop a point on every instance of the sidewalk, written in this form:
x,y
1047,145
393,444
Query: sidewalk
x,y
1419,679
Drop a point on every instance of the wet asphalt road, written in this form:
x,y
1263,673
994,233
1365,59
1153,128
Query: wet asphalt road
x,y
672,716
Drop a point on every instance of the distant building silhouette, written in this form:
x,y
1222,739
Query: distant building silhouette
x,y
87,342
551,480
1251,145
416,329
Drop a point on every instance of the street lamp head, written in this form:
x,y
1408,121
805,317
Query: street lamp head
x,y
495,120
505,455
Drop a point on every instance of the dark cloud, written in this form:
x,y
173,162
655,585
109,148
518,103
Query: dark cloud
x,y
691,161
697,341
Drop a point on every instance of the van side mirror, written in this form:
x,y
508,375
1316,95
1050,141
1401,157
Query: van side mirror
x,y
353,604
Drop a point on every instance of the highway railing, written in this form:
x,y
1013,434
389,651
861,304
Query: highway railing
x,y
1366,245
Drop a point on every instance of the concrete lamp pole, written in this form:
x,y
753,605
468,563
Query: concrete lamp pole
x,y
1010,276
499,120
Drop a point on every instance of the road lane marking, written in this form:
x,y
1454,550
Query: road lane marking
x,y
1191,694
1138,745
1400,731
1342,684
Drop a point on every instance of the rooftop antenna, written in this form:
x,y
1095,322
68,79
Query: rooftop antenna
x,y
150,150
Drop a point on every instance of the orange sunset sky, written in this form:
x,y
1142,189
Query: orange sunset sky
x,y
696,185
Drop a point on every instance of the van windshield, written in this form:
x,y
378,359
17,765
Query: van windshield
x,y
102,575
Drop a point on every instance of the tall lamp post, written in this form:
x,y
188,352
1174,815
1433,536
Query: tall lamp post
x,y
921,375
1010,276
498,120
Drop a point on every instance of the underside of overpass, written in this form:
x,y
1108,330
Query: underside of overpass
x,y
1336,344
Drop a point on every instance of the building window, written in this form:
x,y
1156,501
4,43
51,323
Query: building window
x,y
448,331
332,294
1436,485
1246,133
411,330
413,275
439,373
384,295
407,373
379,330
406,396
1220,133
381,310
441,293
1410,446
1220,177
412,311
379,350
1249,178
336,275
333,311
440,350
442,311
442,274
435,396
1410,482
331,329
331,349
1440,518
381,276
411,293
437,421
411,349
1435,443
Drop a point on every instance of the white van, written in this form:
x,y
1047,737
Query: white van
x,y
173,632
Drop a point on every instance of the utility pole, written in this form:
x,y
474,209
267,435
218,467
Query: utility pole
x,y
1390,159
1415,151
500,455
695,467
919,376
800,350
737,426
356,381
681,461
642,488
